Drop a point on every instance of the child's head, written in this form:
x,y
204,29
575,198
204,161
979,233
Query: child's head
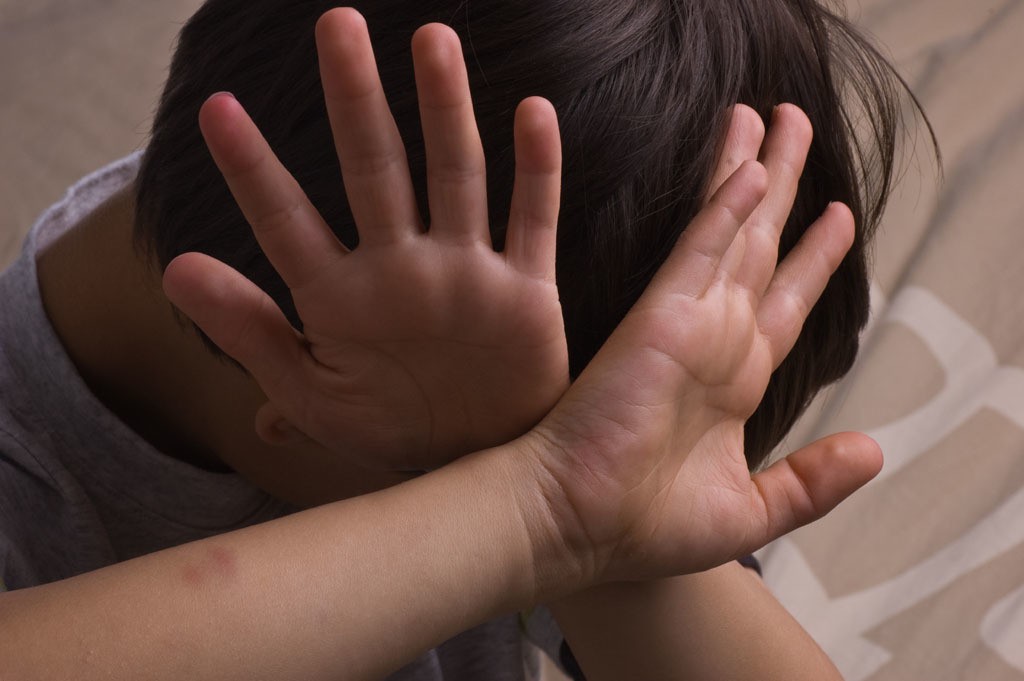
x,y
643,91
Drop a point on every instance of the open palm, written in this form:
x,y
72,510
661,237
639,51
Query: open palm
x,y
649,473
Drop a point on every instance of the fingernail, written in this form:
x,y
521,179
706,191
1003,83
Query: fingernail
x,y
222,93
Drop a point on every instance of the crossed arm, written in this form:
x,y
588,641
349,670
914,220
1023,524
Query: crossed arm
x,y
634,476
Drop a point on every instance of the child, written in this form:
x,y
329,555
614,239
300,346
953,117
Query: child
x,y
638,473
642,90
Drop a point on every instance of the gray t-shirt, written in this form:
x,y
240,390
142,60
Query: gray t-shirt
x,y
80,490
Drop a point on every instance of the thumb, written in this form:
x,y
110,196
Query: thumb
x,y
809,483
240,318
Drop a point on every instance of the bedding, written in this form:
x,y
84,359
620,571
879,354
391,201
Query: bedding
x,y
921,574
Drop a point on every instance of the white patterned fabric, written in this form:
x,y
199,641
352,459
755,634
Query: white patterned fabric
x,y
921,575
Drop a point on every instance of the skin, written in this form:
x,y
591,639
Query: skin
x,y
636,473
471,351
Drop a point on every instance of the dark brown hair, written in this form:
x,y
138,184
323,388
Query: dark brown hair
x,y
642,88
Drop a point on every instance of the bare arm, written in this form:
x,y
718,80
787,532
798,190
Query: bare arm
x,y
720,624
351,590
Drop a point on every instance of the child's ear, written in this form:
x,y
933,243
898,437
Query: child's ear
x,y
275,429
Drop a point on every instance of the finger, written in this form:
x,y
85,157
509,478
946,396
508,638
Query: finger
x,y
533,219
373,161
802,277
742,143
288,227
456,172
809,483
783,155
240,318
693,264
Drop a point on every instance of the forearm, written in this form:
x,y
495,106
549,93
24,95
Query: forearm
x,y
351,590
720,624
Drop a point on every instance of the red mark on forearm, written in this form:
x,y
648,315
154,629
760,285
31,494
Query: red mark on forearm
x,y
215,563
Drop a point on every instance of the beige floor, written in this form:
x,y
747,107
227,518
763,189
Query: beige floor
x,y
921,576
79,80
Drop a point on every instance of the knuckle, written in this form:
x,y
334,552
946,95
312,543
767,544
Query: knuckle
x,y
458,168
371,161
278,217
794,306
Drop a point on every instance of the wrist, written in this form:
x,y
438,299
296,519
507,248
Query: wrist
x,y
562,560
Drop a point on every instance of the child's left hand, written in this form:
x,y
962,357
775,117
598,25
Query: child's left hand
x,y
423,345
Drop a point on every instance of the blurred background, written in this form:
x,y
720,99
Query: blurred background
x,y
919,576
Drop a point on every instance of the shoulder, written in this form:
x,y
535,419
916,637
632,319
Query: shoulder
x,y
44,513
